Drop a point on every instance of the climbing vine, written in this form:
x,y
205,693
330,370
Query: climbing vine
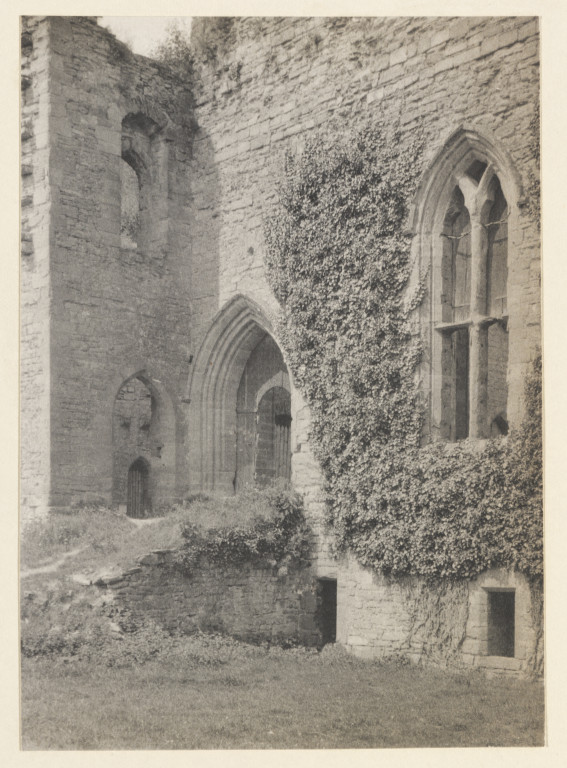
x,y
338,261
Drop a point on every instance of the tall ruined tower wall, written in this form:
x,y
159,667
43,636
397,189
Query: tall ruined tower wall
x,y
93,311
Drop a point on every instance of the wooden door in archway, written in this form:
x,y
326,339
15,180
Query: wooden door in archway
x,y
138,499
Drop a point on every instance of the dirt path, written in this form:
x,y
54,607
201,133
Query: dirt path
x,y
54,566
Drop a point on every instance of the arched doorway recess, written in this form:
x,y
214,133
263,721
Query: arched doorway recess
x,y
240,403
263,418
143,446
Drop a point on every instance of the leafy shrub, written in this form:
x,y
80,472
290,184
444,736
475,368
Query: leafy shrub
x,y
210,41
275,533
177,53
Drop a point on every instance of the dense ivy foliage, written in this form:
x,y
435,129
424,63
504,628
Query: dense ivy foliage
x,y
338,260
277,535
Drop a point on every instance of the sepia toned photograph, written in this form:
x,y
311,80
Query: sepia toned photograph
x,y
280,383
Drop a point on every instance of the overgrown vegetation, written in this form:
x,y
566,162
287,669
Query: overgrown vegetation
x,y
177,53
261,526
210,40
84,653
63,618
338,260
276,534
82,625
102,537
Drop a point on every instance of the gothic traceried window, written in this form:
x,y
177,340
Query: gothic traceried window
x,y
472,320
263,418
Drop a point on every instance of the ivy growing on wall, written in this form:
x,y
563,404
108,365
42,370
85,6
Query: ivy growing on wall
x,y
338,261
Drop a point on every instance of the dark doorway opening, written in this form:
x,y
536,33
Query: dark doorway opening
x,y
138,499
501,623
327,609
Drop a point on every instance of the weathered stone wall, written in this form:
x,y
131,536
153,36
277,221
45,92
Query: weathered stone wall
x,y
111,312
440,623
294,76
116,311
282,79
246,602
96,314
35,277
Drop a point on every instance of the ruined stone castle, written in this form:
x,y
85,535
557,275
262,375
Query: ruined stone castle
x,y
150,368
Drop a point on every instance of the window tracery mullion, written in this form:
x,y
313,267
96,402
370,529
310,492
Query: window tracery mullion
x,y
479,202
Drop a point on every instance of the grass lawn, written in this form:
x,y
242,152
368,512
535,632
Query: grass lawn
x,y
92,679
272,699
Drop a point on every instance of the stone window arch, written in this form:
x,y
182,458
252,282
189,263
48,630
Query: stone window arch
x,y
467,231
142,173
472,295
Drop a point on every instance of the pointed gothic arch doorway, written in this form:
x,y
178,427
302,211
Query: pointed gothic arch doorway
x,y
143,429
238,364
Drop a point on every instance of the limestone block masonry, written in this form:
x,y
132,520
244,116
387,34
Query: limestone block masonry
x,y
444,624
274,605
176,305
95,314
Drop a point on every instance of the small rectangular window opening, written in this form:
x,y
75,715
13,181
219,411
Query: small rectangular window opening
x,y
501,623
327,609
